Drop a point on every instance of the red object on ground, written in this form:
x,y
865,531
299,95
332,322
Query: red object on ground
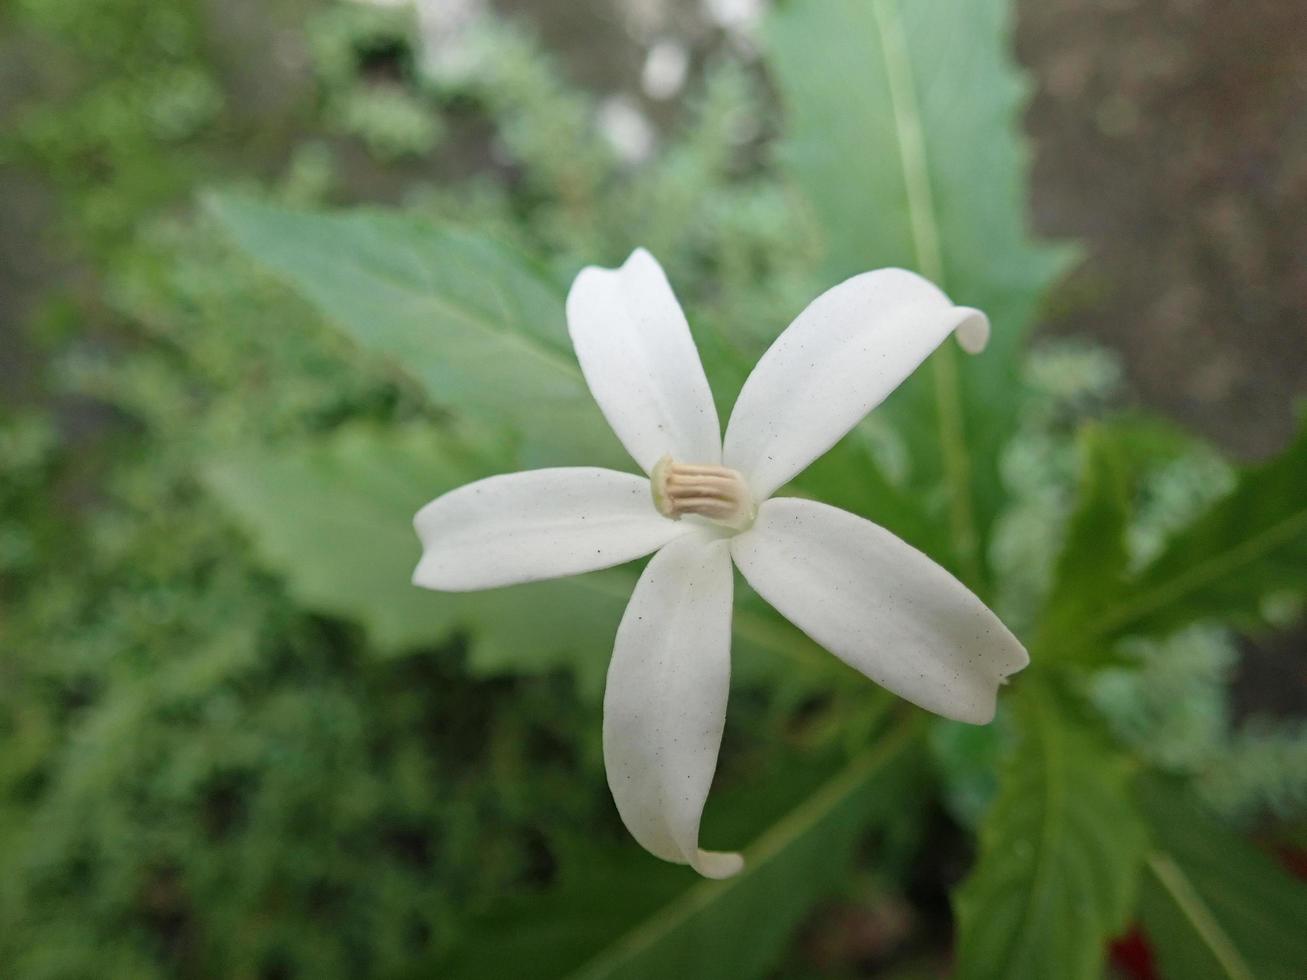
x,y
1293,860
1132,955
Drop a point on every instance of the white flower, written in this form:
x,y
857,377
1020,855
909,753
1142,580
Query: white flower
x,y
665,68
627,130
875,602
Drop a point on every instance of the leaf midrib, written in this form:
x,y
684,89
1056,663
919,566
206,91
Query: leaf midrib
x,y
913,159
1054,798
1176,884
498,330
1215,567
426,296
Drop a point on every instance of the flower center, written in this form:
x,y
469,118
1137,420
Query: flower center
x,y
717,493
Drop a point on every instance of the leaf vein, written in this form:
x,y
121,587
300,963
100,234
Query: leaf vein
x,y
1191,905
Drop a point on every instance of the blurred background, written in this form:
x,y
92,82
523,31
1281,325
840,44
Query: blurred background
x,y
181,747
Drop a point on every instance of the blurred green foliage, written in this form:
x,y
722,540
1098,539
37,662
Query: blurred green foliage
x,y
127,95
234,742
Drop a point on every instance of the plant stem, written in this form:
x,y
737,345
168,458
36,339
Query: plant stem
x,y
930,261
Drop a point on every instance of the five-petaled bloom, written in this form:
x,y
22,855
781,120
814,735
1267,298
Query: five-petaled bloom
x,y
875,602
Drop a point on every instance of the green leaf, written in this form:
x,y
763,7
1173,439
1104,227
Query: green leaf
x,y
1247,547
1093,562
474,323
902,134
639,919
1213,905
336,519
1059,855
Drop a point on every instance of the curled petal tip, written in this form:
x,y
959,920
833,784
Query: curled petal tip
x,y
840,358
973,332
665,701
718,864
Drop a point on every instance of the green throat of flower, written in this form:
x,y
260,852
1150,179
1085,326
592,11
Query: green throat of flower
x,y
716,493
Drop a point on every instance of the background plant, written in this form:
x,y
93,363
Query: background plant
x,y
238,743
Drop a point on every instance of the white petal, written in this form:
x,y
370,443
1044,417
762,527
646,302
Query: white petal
x,y
641,364
665,704
541,524
839,359
879,605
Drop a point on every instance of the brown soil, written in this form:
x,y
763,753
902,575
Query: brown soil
x,y
1170,138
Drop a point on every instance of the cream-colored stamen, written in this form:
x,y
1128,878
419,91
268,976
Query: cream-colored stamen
x,y
715,492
